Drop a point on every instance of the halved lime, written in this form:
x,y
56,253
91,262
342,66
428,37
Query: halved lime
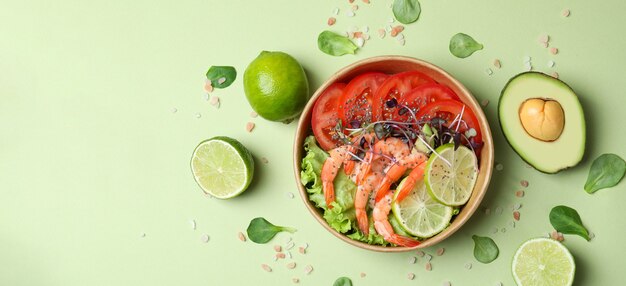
x,y
543,261
419,214
222,167
451,174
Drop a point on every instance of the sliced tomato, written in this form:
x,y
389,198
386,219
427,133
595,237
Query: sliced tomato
x,y
395,87
421,96
448,110
324,117
355,108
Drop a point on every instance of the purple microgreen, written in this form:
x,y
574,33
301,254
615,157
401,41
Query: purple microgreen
x,y
391,103
404,107
379,130
357,157
355,124
457,140
403,111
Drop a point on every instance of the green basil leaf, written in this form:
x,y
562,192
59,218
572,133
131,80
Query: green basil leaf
x,y
406,11
261,231
462,45
335,44
566,220
343,281
606,171
215,73
485,249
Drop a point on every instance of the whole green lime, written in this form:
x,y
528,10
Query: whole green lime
x,y
276,86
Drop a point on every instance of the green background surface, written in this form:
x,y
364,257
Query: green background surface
x,y
92,156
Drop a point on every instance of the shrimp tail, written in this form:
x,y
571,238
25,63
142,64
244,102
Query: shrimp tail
x,y
329,193
348,167
402,240
363,222
393,174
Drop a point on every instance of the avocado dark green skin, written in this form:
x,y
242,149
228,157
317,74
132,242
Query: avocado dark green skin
x,y
502,127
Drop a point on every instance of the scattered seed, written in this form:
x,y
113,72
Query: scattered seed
x,y
494,230
440,251
291,265
241,236
420,253
355,7
249,126
143,234
516,215
517,206
498,284
336,11
388,29
410,276
402,42
428,257
289,255
519,194
381,33
174,110
221,80
363,274
554,50
350,14
266,267
524,183
488,71
412,259
205,96
366,29
295,280
253,114
528,66
275,258
290,245
198,115
301,250
550,64
400,37
446,283
290,195
544,38
264,160
366,36
503,230
205,238
468,266
497,64
215,101
499,167
331,21
485,102
391,20
499,210
555,74
366,1
565,13
208,87
360,42
545,45
308,269
428,266
278,248
193,224
487,211
280,255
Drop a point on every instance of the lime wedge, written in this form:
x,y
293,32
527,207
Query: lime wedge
x,y
450,176
543,261
222,167
419,214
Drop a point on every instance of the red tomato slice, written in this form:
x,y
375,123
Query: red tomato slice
x,y
324,117
396,87
355,109
422,95
448,110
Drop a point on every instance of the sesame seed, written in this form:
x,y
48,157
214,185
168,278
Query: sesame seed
x,y
528,66
498,284
241,236
524,183
291,265
143,234
388,28
516,215
289,255
355,7
360,42
517,206
249,126
366,29
205,96
440,251
277,248
221,80
428,257
503,230
410,276
554,50
391,20
412,260
468,266
266,267
566,13
527,59
308,269
512,224
401,41
494,230
499,167
499,210
591,235
290,246
428,266
205,238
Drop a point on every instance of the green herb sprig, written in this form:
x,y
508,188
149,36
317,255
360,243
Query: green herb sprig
x,y
485,249
566,220
605,172
261,231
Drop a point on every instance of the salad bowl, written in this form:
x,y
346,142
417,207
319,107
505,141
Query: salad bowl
x,y
393,65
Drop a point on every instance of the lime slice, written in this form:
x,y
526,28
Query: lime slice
x,y
222,167
450,176
543,261
419,214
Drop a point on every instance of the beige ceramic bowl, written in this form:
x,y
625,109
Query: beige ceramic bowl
x,y
392,65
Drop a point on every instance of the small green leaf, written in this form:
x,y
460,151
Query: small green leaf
x,y
343,281
566,220
485,250
261,231
216,73
406,11
335,44
606,171
462,45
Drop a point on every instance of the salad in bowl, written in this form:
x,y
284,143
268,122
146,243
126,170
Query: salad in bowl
x,y
392,153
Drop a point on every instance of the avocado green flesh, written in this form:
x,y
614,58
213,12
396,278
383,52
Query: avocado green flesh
x,y
548,157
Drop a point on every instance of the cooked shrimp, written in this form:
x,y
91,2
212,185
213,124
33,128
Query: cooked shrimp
x,y
365,188
338,156
414,176
384,228
389,147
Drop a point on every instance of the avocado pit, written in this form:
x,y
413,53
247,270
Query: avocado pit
x,y
543,119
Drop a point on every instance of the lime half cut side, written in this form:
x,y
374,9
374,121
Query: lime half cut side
x,y
222,167
419,214
543,261
451,174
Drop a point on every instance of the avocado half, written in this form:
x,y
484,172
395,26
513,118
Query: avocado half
x,y
548,156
